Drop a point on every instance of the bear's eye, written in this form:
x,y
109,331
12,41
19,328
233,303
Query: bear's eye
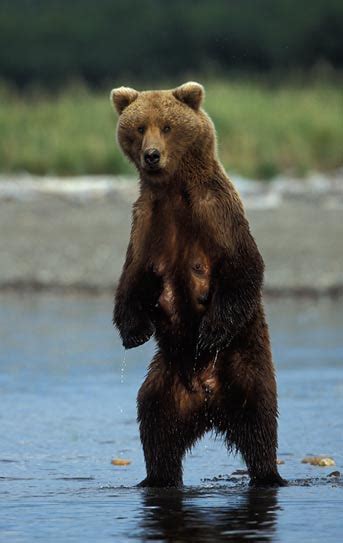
x,y
166,128
141,129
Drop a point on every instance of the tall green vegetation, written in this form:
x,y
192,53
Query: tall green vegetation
x,y
262,130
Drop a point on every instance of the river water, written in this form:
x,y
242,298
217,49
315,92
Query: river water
x,y
68,408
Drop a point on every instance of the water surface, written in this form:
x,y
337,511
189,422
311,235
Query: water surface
x,y
68,407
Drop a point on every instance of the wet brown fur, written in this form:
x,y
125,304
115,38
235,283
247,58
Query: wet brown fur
x,y
193,278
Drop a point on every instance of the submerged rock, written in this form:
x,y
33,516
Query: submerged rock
x,y
323,461
120,462
334,474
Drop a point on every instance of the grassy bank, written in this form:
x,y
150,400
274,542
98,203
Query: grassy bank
x,y
262,131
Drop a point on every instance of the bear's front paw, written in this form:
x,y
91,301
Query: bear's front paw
x,y
136,335
212,336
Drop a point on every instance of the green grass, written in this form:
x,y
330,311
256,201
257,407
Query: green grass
x,y
262,130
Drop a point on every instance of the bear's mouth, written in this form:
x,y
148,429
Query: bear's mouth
x,y
154,169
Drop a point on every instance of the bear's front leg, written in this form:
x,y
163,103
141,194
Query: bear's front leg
x,y
135,300
235,295
134,324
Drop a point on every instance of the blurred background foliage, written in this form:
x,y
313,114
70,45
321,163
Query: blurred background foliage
x,y
272,69
53,40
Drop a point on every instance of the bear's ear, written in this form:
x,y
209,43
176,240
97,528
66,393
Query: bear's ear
x,y
190,93
123,97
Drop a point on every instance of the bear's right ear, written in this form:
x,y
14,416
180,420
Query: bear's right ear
x,y
123,97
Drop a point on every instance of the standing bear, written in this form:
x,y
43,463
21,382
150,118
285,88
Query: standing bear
x,y
192,278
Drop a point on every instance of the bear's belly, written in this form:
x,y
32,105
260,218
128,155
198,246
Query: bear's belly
x,y
167,298
204,389
200,282
196,271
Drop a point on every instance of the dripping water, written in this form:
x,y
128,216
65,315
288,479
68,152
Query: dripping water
x,y
122,375
123,367
215,358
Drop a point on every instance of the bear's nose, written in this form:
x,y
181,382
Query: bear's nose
x,y
152,156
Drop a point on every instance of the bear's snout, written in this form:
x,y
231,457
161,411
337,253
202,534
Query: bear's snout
x,y
152,157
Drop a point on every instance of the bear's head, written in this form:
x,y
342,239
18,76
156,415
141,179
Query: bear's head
x,y
164,133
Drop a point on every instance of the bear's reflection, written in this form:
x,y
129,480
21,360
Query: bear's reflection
x,y
196,516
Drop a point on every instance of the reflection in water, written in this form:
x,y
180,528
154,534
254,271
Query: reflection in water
x,y
186,515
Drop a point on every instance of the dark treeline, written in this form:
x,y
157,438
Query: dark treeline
x,y
51,41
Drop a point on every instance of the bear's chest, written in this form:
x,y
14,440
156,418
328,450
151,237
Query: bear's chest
x,y
180,258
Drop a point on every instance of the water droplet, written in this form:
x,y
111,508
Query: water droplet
x,y
122,369
215,358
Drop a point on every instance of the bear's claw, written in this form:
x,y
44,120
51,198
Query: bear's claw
x,y
134,341
272,480
159,483
137,334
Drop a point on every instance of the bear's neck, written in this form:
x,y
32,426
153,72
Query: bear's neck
x,y
197,166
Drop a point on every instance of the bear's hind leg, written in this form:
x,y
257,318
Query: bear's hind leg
x,y
253,432
169,425
248,414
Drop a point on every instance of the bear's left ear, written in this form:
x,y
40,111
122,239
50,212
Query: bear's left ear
x,y
190,93
123,97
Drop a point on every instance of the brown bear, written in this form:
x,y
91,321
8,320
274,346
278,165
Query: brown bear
x,y
192,278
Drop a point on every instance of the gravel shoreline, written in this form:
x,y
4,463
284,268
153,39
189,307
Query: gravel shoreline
x,y
70,235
